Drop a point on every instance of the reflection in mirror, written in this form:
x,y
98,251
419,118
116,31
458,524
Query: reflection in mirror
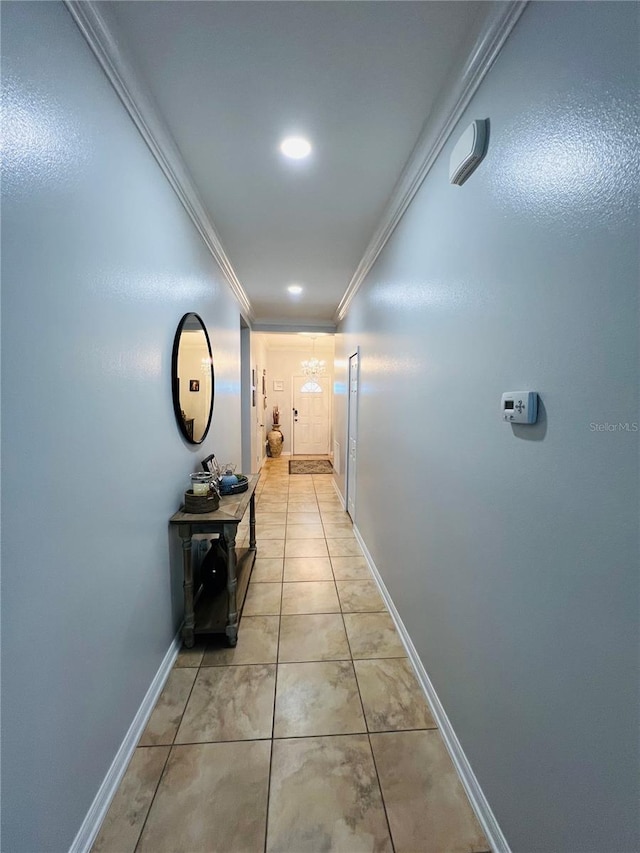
x,y
192,378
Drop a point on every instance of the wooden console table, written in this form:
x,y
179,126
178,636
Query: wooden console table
x,y
219,614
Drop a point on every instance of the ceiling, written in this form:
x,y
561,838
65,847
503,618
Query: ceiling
x,y
231,79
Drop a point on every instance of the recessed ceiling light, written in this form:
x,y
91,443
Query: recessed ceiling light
x,y
295,147
294,288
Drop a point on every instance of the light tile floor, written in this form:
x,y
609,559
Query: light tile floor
x,y
313,733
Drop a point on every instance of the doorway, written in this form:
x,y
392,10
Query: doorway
x,y
246,421
259,405
352,436
311,410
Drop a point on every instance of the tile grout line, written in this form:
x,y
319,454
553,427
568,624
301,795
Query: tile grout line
x,y
295,737
155,791
275,695
171,746
366,723
375,767
265,663
373,758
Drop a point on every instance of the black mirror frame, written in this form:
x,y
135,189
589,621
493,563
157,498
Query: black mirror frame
x,y
175,389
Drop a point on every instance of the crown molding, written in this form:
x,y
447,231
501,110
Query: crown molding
x,y
145,116
437,129
432,139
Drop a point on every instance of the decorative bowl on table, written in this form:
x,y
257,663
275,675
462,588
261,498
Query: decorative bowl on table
x,y
239,484
201,503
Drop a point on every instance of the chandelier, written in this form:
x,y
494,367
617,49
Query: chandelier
x,y
313,366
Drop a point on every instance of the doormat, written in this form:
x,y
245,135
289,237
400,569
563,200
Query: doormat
x,y
310,466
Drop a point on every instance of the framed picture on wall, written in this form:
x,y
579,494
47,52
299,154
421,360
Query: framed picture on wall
x,y
278,385
264,383
194,385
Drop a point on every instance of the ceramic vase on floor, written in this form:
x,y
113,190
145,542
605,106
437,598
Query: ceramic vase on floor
x,y
276,440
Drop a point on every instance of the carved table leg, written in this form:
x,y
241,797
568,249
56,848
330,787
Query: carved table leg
x,y
187,568
252,522
232,612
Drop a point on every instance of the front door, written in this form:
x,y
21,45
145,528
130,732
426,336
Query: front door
x,y
310,415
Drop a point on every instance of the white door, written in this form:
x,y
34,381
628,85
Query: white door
x,y
246,422
310,415
258,410
352,436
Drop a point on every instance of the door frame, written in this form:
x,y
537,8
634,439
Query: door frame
x,y
246,421
329,394
353,354
259,426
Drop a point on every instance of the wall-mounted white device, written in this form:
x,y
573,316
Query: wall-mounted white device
x,y
468,152
519,407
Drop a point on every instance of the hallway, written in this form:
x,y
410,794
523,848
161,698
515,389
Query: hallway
x,y
465,219
312,734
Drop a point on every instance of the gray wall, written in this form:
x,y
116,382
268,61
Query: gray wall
x,y
512,553
99,262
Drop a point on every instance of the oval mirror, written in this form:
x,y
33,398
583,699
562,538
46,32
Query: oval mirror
x,y
192,378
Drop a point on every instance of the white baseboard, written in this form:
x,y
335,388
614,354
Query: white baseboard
x,y
479,802
91,824
338,493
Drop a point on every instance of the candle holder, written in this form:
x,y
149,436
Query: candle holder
x,y
201,483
